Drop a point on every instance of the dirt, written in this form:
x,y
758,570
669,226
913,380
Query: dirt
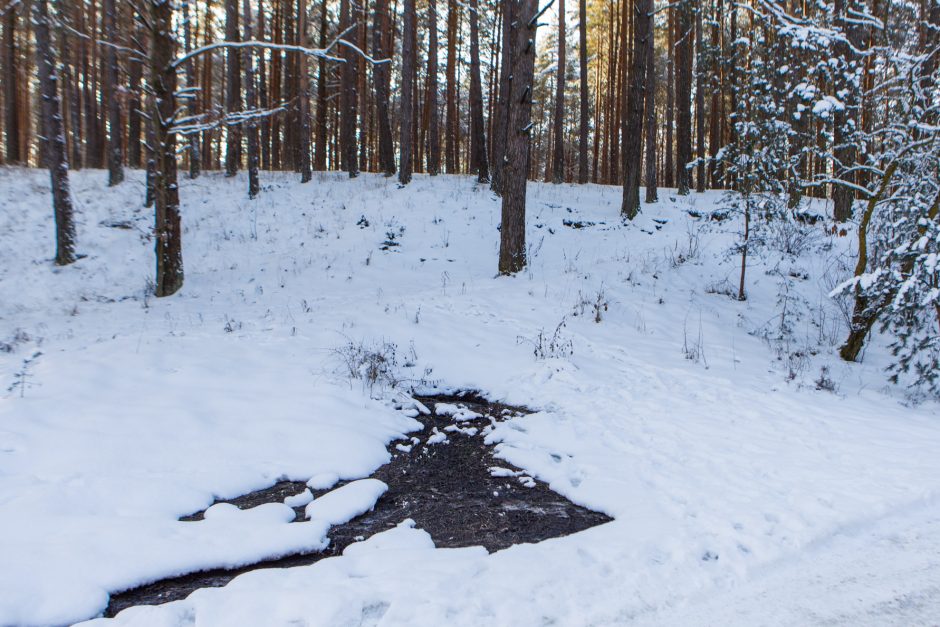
x,y
448,489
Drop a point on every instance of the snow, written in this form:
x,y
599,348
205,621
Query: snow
x,y
346,502
740,493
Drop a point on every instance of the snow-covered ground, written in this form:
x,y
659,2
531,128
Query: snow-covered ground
x,y
741,493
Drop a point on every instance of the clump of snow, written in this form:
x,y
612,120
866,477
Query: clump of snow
x,y
323,481
457,412
346,502
299,500
437,437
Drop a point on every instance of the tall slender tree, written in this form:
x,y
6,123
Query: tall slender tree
x,y
522,17
684,39
452,122
11,86
699,100
584,122
650,123
350,98
558,124
251,124
433,89
56,157
633,111
407,92
112,85
381,78
478,153
233,90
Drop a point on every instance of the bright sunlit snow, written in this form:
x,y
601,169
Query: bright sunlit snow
x,y
741,493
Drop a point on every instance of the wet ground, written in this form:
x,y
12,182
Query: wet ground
x,y
448,489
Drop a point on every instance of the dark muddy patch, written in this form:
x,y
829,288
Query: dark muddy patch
x,y
449,488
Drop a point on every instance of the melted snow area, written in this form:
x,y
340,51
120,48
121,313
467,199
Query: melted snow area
x,y
741,493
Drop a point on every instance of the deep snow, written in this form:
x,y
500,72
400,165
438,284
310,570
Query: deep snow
x,y
742,495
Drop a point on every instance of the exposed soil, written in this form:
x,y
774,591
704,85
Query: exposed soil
x,y
448,488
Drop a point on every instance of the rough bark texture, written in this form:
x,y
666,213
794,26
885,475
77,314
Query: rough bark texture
x,y
167,227
115,124
10,85
382,74
407,91
434,118
451,159
669,167
842,135
684,36
650,124
303,79
699,101
251,126
585,108
501,127
233,89
350,99
558,124
633,112
478,160
523,20
192,103
322,78
55,156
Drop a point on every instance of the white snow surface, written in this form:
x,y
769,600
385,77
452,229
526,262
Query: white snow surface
x,y
740,493
346,502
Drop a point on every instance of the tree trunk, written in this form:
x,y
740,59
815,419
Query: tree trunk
x,y
669,166
115,126
650,131
477,129
501,127
192,101
350,99
699,100
322,77
303,78
135,70
56,157
451,158
585,108
381,78
522,17
407,91
558,125
10,87
433,89
167,228
233,89
684,36
633,113
251,125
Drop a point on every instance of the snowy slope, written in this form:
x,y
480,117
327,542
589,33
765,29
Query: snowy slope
x,y
684,414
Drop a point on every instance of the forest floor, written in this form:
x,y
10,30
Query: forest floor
x,y
749,476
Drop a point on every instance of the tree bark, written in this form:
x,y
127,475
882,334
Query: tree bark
x,y
522,17
699,100
451,158
11,121
669,167
56,157
433,89
407,91
558,125
251,125
306,172
650,130
233,89
167,227
115,125
585,108
479,160
684,36
633,112
350,99
322,78
501,127
382,74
